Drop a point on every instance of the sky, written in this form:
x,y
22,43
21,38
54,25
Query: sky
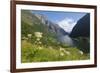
x,y
65,20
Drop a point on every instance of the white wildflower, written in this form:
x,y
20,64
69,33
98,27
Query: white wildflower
x,y
38,34
61,49
67,52
81,52
40,48
24,38
40,42
62,54
50,48
38,39
29,35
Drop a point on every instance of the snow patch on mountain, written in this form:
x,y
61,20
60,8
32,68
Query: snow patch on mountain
x,y
67,24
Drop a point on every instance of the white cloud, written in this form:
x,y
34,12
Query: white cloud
x,y
67,24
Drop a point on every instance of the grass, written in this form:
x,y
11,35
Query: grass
x,y
40,53
39,42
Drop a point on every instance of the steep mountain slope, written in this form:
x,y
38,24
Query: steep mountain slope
x,y
81,33
31,23
82,28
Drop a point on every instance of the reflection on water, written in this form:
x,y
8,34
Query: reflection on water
x,y
83,43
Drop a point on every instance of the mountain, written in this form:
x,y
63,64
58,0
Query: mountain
x,y
32,22
82,28
39,23
81,33
62,36
67,24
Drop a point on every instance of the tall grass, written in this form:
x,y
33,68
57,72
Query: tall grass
x,y
36,53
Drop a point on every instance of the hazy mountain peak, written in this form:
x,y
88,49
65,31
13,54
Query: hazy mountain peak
x,y
67,24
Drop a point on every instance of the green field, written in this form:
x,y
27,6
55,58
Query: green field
x,y
36,53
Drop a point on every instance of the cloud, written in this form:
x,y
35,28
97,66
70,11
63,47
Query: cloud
x,y
67,24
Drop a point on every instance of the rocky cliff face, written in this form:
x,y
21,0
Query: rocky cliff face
x,y
32,22
82,28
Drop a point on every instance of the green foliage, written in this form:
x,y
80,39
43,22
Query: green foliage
x,y
37,53
83,44
44,48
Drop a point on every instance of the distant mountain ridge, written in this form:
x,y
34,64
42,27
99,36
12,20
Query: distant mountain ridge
x,y
32,22
82,28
